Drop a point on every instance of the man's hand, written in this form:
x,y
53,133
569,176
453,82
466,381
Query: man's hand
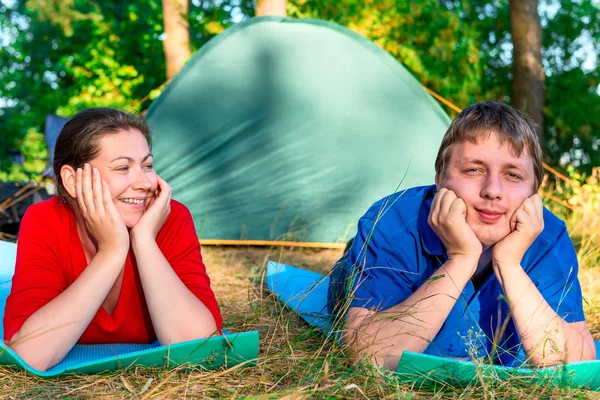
x,y
448,219
526,224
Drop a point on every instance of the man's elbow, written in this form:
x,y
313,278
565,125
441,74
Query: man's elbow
x,y
588,353
387,358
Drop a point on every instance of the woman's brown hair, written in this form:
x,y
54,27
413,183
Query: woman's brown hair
x,y
78,141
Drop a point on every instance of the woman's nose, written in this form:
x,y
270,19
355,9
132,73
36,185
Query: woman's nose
x,y
141,181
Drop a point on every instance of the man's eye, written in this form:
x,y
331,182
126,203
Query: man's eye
x,y
514,176
471,170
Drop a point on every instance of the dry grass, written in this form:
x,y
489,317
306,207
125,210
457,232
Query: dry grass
x,y
295,362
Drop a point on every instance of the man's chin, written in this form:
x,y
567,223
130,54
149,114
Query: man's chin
x,y
488,239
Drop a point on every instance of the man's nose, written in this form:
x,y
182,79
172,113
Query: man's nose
x,y
492,187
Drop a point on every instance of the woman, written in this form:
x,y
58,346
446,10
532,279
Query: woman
x,y
112,258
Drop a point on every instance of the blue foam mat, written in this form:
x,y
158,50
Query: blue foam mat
x,y
305,292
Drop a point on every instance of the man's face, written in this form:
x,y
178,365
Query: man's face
x,y
493,183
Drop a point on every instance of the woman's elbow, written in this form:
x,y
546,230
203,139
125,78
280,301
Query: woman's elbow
x,y
187,332
32,357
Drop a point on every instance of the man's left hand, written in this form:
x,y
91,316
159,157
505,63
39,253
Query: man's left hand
x,y
526,224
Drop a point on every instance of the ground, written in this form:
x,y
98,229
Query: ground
x,y
294,361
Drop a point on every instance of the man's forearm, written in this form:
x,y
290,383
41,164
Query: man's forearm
x,y
414,323
547,339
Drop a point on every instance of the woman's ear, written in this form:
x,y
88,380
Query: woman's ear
x,y
438,181
68,176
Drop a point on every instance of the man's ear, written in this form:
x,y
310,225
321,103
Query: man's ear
x,y
68,176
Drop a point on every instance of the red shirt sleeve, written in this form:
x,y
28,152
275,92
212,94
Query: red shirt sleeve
x,y
179,244
38,277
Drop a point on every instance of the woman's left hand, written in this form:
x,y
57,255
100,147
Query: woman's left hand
x,y
157,211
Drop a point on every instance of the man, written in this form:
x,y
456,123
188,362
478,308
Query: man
x,y
473,266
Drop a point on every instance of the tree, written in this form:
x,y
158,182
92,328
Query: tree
x,y
176,43
527,93
60,56
271,7
571,42
431,40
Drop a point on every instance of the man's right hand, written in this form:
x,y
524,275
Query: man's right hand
x,y
448,219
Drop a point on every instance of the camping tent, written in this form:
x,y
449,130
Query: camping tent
x,y
284,128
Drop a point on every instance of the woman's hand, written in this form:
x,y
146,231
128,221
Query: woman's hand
x,y
101,217
157,211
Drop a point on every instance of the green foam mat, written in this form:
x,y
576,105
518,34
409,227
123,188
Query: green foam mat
x,y
305,292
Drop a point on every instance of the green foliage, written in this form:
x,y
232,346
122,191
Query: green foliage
x,y
35,159
571,37
462,50
67,56
60,56
434,43
581,211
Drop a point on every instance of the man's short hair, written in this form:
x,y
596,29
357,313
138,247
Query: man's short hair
x,y
488,118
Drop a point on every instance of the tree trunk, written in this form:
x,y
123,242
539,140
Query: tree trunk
x,y
527,92
177,42
271,7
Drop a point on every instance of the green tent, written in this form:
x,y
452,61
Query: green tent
x,y
290,129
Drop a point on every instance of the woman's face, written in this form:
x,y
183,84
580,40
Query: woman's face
x,y
125,163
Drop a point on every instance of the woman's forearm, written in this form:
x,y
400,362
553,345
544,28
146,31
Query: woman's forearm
x,y
51,332
177,314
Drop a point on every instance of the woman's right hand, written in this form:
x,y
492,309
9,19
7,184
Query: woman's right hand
x,y
448,219
101,217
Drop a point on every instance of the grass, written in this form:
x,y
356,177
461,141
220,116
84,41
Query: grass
x,y
295,362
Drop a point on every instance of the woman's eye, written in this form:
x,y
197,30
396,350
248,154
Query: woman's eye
x,y
149,166
122,169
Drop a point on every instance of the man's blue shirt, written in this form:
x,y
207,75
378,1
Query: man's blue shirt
x,y
395,251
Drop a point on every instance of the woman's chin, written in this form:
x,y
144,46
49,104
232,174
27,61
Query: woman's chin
x,y
131,222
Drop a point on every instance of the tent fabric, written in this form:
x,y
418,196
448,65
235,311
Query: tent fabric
x,y
305,292
54,125
218,351
290,129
